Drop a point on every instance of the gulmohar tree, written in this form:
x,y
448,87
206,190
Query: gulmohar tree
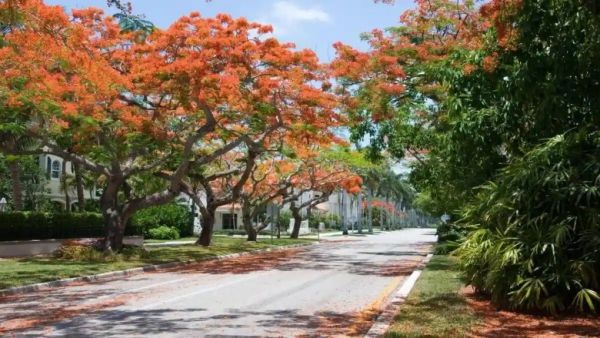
x,y
498,106
125,103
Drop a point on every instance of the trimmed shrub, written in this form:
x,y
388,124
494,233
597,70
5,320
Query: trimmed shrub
x,y
170,215
163,232
16,226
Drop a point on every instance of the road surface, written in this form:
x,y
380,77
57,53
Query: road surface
x,y
333,288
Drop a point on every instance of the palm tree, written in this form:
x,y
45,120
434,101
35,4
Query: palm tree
x,y
371,181
79,186
394,188
16,185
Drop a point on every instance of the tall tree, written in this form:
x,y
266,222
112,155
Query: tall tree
x,y
125,103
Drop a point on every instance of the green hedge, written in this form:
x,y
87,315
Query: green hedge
x,y
38,225
171,215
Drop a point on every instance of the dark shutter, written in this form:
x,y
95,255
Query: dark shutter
x,y
48,166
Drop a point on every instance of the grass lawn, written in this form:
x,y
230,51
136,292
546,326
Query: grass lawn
x,y
435,306
23,271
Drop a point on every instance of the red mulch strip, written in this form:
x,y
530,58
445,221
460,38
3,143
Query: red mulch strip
x,y
512,324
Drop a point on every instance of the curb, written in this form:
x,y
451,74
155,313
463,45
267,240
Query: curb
x,y
383,321
135,271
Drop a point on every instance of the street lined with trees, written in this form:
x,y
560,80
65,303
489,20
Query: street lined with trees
x,y
479,117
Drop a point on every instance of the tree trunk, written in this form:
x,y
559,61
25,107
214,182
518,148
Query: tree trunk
x,y
79,187
208,223
252,233
278,228
297,221
382,218
65,185
16,185
115,230
114,220
360,214
247,221
370,212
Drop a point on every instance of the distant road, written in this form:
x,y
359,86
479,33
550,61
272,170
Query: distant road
x,y
332,288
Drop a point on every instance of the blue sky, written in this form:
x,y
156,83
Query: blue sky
x,y
314,24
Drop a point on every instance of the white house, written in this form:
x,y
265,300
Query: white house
x,y
345,206
52,166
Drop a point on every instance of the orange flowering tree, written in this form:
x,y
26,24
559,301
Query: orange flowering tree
x,y
317,177
391,90
125,103
400,95
268,183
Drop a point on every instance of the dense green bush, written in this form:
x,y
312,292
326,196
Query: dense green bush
x,y
38,225
284,220
449,235
163,232
536,229
171,215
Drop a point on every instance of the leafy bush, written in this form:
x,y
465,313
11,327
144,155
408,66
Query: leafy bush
x,y
79,253
284,220
163,232
39,225
450,236
535,243
91,253
170,215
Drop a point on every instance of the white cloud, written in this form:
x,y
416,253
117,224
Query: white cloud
x,y
287,17
290,12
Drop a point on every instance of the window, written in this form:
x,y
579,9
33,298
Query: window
x,y
55,169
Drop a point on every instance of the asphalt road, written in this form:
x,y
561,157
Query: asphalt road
x,y
333,288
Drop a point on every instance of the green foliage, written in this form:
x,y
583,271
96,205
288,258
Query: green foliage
x,y
33,182
284,220
38,225
331,221
510,125
170,215
450,236
535,227
163,232
536,237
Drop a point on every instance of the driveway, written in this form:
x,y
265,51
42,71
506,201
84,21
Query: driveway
x,y
334,288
